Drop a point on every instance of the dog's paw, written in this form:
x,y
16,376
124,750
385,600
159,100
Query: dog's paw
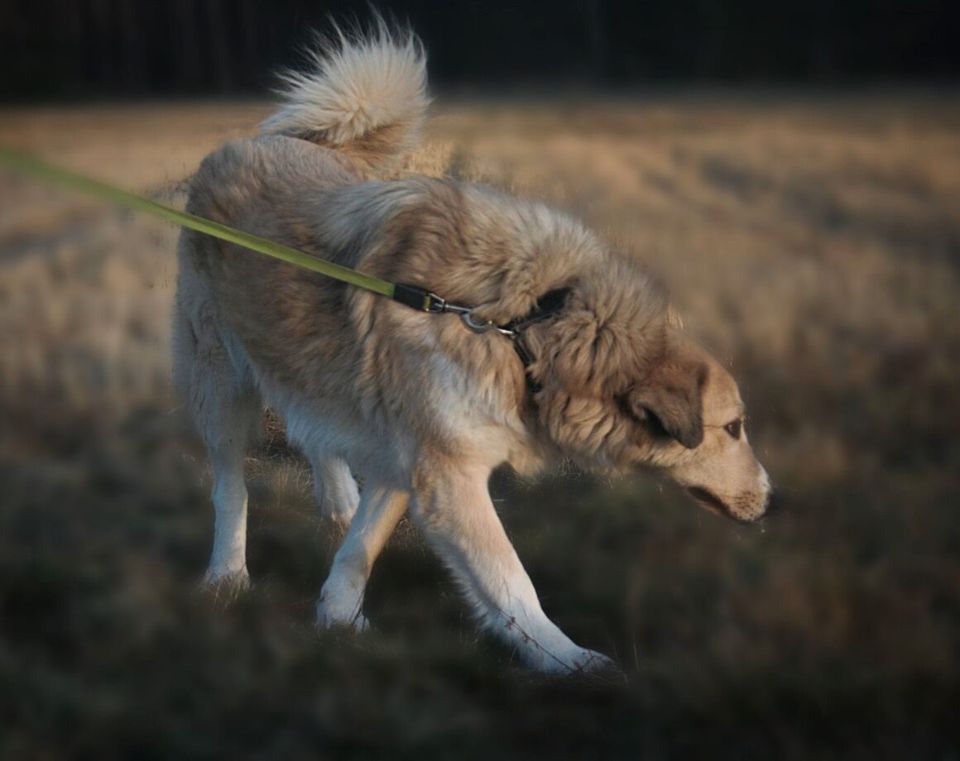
x,y
331,615
336,490
339,513
339,505
225,586
584,663
592,663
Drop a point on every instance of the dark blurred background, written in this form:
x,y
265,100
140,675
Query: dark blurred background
x,y
791,170
81,48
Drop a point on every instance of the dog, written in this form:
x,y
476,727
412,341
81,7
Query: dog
x,y
418,406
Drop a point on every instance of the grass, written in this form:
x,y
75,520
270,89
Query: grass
x,y
811,241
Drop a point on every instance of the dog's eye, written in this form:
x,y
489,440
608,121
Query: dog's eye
x,y
733,428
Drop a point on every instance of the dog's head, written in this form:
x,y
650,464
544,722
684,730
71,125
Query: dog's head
x,y
624,389
689,419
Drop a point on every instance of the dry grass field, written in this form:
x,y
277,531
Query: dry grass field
x,y
813,242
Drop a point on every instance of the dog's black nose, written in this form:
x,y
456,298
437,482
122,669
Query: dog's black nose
x,y
774,503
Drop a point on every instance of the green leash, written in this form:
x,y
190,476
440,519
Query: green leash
x,y
410,295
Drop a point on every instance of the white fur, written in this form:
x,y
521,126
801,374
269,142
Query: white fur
x,y
341,598
462,526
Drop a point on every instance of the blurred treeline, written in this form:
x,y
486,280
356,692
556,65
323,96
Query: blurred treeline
x,y
109,48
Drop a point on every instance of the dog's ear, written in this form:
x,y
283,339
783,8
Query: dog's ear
x,y
671,398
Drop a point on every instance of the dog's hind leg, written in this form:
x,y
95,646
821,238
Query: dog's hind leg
x,y
228,423
226,407
335,489
341,598
454,509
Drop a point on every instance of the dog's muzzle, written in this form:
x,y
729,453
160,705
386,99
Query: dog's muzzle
x,y
712,502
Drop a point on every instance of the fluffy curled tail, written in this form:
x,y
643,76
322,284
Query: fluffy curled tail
x,y
364,94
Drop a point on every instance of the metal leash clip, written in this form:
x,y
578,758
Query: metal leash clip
x,y
476,326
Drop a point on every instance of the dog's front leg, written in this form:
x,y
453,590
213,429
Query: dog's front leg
x,y
455,510
342,595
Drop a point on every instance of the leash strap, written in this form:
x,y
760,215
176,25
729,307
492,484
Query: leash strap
x,y
412,296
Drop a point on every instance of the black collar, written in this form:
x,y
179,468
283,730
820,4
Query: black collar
x,y
547,305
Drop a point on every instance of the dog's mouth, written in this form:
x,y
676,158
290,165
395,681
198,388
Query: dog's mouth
x,y
712,502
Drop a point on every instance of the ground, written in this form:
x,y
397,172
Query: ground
x,y
811,240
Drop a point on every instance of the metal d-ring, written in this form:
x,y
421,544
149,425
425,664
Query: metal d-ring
x,y
476,326
483,327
